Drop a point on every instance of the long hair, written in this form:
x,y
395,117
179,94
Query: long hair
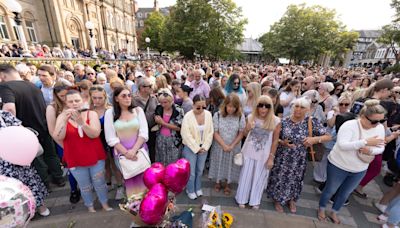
x,y
269,121
255,89
229,84
58,104
292,83
116,106
233,100
103,92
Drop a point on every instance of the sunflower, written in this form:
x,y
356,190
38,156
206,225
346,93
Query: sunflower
x,y
227,220
214,217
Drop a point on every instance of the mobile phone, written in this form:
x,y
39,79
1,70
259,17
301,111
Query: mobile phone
x,y
83,110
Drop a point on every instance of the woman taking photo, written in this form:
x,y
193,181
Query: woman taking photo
x,y
98,103
289,94
229,123
253,93
287,174
79,131
125,128
258,153
169,118
197,135
346,166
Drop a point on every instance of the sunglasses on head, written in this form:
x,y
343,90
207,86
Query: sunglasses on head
x,y
373,122
262,105
126,95
163,94
96,88
344,104
202,107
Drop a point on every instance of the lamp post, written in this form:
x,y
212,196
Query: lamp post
x,y
147,40
90,26
16,9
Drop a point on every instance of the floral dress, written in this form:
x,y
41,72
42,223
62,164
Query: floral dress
x,y
287,174
25,174
221,163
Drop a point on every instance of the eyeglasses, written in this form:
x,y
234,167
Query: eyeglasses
x,y
164,94
344,104
262,105
373,122
397,92
126,95
148,70
351,90
90,73
202,107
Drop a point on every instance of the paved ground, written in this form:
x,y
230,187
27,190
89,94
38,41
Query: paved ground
x,y
360,212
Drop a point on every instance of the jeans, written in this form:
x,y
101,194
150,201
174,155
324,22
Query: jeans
x,y
72,182
197,162
393,211
340,182
89,177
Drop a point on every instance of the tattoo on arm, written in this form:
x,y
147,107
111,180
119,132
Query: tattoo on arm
x,y
61,130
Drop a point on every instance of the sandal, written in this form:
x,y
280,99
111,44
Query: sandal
x,y
292,207
336,221
278,207
217,187
227,190
242,206
359,194
322,218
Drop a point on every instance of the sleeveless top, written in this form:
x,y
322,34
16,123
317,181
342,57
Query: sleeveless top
x,y
81,152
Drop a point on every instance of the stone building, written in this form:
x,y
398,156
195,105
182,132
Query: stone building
x,y
62,22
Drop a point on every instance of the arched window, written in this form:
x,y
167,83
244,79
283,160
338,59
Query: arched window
x,y
30,27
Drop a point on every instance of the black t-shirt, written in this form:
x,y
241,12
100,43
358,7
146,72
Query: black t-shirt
x,y
29,103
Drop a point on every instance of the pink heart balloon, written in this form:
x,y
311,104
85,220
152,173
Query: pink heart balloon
x,y
177,175
154,175
18,145
154,204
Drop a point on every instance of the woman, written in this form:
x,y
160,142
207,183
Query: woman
x,y
316,110
161,83
289,94
197,134
287,174
125,128
274,95
52,112
176,84
183,92
169,118
98,103
224,80
365,135
258,153
253,93
366,82
69,76
326,100
217,96
26,174
396,94
229,124
245,81
234,85
79,131
84,87
337,92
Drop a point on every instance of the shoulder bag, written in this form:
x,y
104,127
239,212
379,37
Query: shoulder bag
x,y
316,151
131,168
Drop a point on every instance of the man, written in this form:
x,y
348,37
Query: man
x,y
26,102
79,72
199,86
144,99
47,76
178,71
308,84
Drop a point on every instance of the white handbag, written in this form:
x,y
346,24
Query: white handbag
x,y
131,168
238,159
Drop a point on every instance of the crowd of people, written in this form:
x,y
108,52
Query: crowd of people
x,y
251,124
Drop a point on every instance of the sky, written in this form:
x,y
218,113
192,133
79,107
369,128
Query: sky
x,y
261,14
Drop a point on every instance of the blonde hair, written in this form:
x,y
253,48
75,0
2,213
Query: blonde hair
x,y
372,107
161,82
97,88
255,89
269,121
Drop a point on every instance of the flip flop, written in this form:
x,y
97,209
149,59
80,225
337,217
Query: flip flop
x,y
322,218
359,194
333,220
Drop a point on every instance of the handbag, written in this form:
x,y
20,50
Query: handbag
x,y
238,159
366,158
131,168
317,150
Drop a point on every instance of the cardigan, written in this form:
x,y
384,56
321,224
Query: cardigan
x,y
191,135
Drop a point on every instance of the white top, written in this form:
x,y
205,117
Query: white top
x,y
109,130
344,153
287,96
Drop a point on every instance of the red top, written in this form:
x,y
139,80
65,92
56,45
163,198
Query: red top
x,y
81,151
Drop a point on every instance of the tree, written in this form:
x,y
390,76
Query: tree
x,y
210,28
343,43
391,37
303,33
153,28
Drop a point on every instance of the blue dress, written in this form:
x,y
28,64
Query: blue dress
x,y
287,174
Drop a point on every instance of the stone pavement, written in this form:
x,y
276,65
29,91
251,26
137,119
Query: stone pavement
x,y
360,212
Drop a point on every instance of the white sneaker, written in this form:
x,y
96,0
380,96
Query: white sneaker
x,y
45,213
380,207
199,193
192,196
120,194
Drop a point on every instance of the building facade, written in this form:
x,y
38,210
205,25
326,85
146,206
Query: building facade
x,y
62,22
361,53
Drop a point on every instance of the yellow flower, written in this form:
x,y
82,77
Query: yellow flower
x,y
211,226
227,219
214,217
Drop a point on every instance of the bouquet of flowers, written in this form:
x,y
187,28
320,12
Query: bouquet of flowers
x,y
217,219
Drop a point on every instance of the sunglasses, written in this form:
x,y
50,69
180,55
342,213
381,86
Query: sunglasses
x,y
126,95
262,105
146,86
373,122
351,90
202,107
103,68
163,94
344,104
148,70
236,83
397,92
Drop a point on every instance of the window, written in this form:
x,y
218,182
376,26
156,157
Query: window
x,y
3,29
75,43
31,31
141,23
139,15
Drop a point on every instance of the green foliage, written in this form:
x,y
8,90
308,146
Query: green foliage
x,y
391,32
393,69
343,42
210,28
154,28
305,33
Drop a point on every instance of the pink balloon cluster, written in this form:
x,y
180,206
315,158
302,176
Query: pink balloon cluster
x,y
159,180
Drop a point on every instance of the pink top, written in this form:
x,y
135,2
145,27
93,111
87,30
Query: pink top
x,y
164,130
